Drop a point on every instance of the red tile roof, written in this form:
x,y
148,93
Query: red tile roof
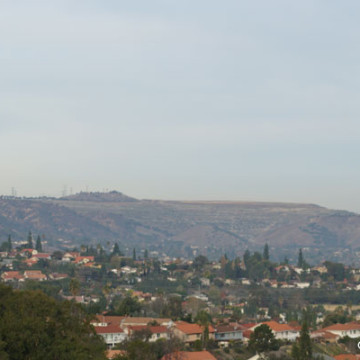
x,y
42,256
110,329
192,328
323,334
34,274
80,259
247,333
187,355
9,275
346,357
276,327
229,328
343,327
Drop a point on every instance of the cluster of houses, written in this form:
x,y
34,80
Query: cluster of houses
x,y
31,257
116,329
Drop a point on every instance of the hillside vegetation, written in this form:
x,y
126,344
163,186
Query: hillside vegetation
x,y
186,228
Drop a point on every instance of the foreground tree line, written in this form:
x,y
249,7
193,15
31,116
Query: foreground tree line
x,y
35,326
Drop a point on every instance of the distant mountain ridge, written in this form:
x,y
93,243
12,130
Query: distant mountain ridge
x,y
185,228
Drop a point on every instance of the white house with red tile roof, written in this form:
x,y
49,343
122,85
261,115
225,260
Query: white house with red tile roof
x,y
28,252
68,256
351,329
112,334
157,332
103,320
229,332
32,261
280,331
34,275
324,335
44,256
191,332
8,276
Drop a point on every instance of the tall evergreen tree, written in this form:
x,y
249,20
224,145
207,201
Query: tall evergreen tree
x,y
246,257
266,255
300,262
146,254
9,243
38,245
116,250
30,244
134,254
303,349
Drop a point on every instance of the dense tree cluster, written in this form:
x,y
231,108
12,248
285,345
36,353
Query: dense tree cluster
x,y
35,326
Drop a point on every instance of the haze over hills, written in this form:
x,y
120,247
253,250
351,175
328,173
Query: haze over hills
x,y
185,228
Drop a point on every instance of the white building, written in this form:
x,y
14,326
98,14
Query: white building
x,y
112,334
351,329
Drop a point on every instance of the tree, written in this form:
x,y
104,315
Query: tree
x,y
36,326
203,318
172,308
9,243
6,245
246,257
134,254
128,306
200,261
146,254
30,244
38,245
263,339
116,250
74,286
300,262
303,350
266,255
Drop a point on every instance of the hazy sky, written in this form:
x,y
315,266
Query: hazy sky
x,y
233,100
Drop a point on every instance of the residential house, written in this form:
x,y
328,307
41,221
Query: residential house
x,y
324,336
103,320
34,275
136,321
302,285
351,329
28,252
191,332
229,332
112,334
9,276
40,256
157,332
69,256
80,260
280,331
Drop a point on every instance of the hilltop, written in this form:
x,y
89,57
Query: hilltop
x,y
112,196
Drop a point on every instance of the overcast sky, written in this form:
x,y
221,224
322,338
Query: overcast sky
x,y
232,100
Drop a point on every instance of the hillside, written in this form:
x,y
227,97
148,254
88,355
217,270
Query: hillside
x,y
187,228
